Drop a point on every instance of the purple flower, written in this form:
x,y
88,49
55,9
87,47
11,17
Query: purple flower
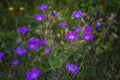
x,y
76,29
42,7
52,43
87,28
32,75
71,35
1,55
19,51
22,30
87,36
62,24
14,62
47,50
42,42
77,14
32,43
39,17
53,13
98,25
71,68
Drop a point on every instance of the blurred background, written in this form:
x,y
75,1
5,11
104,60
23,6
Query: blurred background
x,y
16,13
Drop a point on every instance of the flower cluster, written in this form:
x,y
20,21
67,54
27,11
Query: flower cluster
x,y
84,32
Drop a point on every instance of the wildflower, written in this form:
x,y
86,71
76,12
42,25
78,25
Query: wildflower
x,y
32,75
53,13
87,36
32,43
77,14
71,35
39,16
42,7
71,68
47,50
76,29
52,43
14,62
19,51
87,28
62,24
42,42
98,25
22,30
1,55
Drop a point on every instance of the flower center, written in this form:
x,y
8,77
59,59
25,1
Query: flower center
x,y
87,37
71,37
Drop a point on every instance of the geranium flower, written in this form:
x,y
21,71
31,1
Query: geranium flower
x,y
98,25
71,68
19,51
22,30
32,75
32,43
42,7
47,50
39,17
62,24
71,35
87,36
42,42
1,55
87,28
14,62
77,14
76,29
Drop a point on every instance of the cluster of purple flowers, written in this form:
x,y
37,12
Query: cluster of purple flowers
x,y
34,42
87,34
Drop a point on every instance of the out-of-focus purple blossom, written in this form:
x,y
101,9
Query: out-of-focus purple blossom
x,y
18,43
22,30
87,28
14,62
1,55
62,24
53,13
32,43
77,14
52,43
98,25
19,51
76,29
47,50
42,42
39,17
71,68
32,75
87,36
71,35
42,7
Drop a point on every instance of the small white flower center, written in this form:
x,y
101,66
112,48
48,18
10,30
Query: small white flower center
x,y
71,37
87,37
